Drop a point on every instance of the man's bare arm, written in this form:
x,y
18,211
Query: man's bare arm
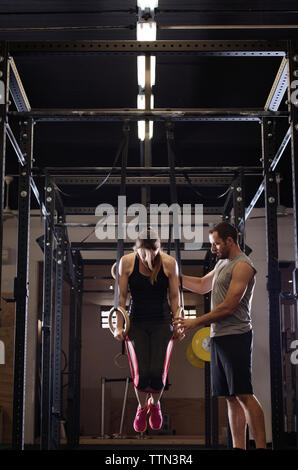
x,y
200,285
242,274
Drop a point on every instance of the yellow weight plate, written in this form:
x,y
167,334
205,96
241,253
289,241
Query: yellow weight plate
x,y
201,344
193,359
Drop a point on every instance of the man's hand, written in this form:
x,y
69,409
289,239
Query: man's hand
x,y
119,334
185,323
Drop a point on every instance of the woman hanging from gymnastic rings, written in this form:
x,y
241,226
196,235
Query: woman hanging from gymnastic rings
x,y
152,277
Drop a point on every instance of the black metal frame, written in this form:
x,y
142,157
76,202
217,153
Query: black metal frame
x,y
75,338
293,62
211,403
56,408
4,69
21,285
46,329
273,283
270,112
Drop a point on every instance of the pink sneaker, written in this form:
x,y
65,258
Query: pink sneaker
x,y
155,419
140,422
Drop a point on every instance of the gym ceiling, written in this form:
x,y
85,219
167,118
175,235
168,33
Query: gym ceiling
x,y
88,81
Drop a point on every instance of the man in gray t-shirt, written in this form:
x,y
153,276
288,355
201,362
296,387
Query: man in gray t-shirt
x,y
231,283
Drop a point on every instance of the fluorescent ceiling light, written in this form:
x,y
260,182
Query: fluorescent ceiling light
x,y
141,130
146,31
141,64
141,124
147,4
141,101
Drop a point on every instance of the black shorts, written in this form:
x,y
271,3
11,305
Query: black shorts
x,y
149,347
231,364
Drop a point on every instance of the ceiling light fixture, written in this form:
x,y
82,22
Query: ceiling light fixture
x,y
152,4
142,130
141,124
141,101
146,30
142,70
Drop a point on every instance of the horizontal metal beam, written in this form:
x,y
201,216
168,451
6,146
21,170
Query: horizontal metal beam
x,y
168,225
214,27
111,246
101,291
141,180
72,210
127,26
202,47
111,261
157,114
96,278
84,170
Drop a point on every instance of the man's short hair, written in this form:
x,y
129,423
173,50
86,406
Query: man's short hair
x,y
225,230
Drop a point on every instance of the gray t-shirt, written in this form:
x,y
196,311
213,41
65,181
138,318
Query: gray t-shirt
x,y
240,321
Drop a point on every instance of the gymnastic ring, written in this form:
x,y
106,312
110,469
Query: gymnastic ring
x,y
116,361
113,270
179,312
125,316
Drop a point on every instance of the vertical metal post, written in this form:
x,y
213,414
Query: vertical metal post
x,y
284,361
207,406
293,315
176,229
226,215
77,396
122,192
214,415
239,220
293,110
71,366
124,406
45,424
239,208
145,146
21,286
56,375
102,428
75,333
4,94
211,403
148,91
273,284
207,369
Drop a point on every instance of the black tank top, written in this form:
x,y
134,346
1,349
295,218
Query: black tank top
x,y
148,302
